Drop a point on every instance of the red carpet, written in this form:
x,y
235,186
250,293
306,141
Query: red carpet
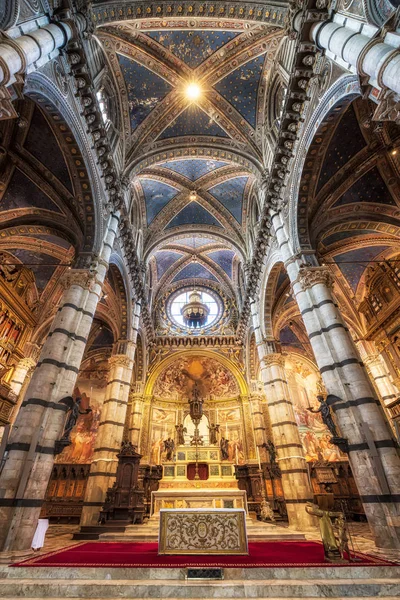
x,y
144,554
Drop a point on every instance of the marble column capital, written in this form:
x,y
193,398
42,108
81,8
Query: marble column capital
x,y
120,360
85,279
26,363
310,276
275,358
372,359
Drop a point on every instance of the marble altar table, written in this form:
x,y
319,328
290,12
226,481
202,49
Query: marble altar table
x,y
202,531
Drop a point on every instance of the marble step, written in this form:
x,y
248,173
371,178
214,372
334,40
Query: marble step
x,y
179,574
309,598
256,530
164,588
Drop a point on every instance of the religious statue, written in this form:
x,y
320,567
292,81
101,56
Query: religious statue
x,y
224,448
127,448
266,512
73,416
331,546
326,415
214,429
180,431
169,447
341,534
270,447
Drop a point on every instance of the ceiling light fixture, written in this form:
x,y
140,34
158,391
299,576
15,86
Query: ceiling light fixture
x,y
193,91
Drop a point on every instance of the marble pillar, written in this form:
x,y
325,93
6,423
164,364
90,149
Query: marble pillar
x,y
22,370
361,50
249,442
136,419
372,450
145,431
290,455
378,372
109,435
40,421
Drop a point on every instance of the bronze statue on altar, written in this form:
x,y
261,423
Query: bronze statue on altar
x,y
224,443
169,447
180,432
213,429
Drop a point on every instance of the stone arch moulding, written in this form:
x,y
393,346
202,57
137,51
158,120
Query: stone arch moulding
x,y
124,287
344,90
228,364
272,264
245,15
49,98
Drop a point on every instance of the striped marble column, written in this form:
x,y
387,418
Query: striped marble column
x,y
135,424
41,419
109,435
372,450
376,367
23,368
295,478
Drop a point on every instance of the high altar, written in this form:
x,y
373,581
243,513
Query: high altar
x,y
168,410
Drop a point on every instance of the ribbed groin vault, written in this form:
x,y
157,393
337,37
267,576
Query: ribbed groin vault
x,y
199,200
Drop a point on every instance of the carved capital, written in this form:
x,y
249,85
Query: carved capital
x,y
120,360
276,358
81,277
7,110
388,108
26,364
310,276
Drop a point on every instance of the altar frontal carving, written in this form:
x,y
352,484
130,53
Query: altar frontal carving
x,y
202,531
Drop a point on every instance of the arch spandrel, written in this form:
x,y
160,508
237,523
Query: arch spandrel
x,y
237,385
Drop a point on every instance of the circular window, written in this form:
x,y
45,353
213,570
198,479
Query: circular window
x,y
194,309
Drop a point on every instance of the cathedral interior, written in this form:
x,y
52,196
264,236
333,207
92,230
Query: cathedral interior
x,y
199,266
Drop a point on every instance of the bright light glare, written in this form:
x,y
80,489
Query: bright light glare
x,y
193,91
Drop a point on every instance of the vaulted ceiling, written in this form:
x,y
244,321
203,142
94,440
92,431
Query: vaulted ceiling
x,y
192,164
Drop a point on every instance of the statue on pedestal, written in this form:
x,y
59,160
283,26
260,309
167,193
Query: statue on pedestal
x,y
214,429
224,448
331,546
74,412
266,512
326,415
180,431
169,447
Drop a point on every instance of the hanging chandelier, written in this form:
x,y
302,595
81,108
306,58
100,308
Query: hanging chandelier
x,y
195,312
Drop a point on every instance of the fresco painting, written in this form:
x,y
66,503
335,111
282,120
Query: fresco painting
x,y
83,436
212,378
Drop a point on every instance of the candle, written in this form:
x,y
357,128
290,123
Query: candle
x,y
226,431
237,455
217,418
159,454
258,456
